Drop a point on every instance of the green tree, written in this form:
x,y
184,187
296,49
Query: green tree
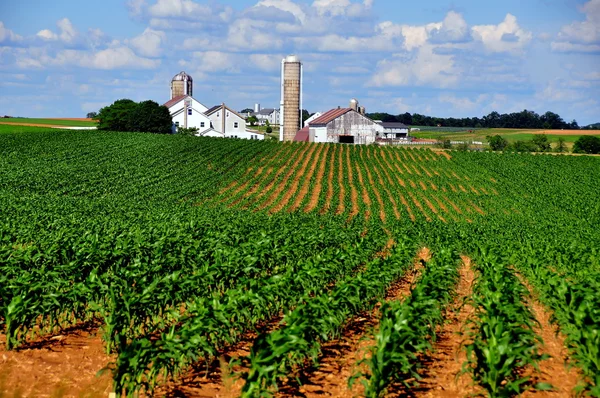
x,y
523,146
150,117
246,111
587,144
190,131
497,143
541,143
91,115
561,146
269,130
252,120
116,117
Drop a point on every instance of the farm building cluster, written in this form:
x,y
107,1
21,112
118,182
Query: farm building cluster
x,y
339,125
218,121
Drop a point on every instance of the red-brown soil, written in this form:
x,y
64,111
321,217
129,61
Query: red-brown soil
x,y
329,195
441,373
340,359
295,182
218,378
314,197
64,365
554,370
306,179
290,170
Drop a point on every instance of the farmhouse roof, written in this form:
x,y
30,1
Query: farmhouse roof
x,y
302,135
329,116
222,106
175,100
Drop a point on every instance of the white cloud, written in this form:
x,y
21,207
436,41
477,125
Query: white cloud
x,y
452,29
177,8
285,5
424,68
7,34
266,62
463,103
581,36
148,44
110,58
247,35
215,61
567,47
47,34
195,43
67,32
507,36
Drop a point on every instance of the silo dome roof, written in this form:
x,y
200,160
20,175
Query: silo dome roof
x,y
292,58
182,76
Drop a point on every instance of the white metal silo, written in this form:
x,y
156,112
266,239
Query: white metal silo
x,y
291,98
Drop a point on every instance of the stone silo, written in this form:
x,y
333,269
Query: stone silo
x,y
181,84
291,98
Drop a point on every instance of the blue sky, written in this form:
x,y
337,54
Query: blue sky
x,y
443,58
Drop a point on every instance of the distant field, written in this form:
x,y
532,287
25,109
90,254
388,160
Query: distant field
x,y
12,128
510,135
75,122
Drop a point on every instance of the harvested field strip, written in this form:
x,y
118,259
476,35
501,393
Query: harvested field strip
x,y
296,175
316,192
307,179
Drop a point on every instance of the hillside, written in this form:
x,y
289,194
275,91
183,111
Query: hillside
x,y
171,256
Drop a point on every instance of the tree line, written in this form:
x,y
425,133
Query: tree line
x,y
525,119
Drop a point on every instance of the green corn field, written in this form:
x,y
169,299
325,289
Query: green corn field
x,y
179,253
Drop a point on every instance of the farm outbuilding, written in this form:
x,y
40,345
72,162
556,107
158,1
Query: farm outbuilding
x,y
344,125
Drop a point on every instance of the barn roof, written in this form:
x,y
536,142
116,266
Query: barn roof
x,y
329,116
302,135
175,100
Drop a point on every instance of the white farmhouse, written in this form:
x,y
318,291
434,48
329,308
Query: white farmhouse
x,y
230,124
218,121
187,112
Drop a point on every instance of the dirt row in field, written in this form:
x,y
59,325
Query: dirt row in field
x,y
63,365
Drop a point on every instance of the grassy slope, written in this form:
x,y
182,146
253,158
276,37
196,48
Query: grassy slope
x,y
50,122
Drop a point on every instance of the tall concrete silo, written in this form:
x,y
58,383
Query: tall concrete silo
x,y
181,84
291,98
